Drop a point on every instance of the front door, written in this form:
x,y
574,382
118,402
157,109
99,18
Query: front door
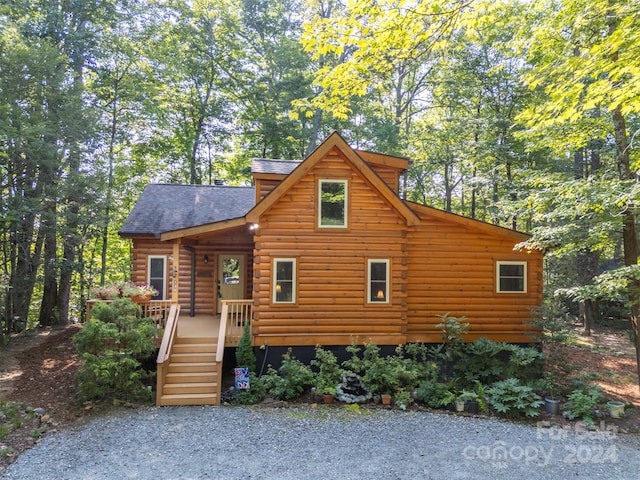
x,y
231,278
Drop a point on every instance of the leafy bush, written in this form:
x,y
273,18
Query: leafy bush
x,y
512,398
581,403
435,394
488,361
290,381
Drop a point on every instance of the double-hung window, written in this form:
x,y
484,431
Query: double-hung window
x,y
284,280
511,277
156,275
332,204
378,281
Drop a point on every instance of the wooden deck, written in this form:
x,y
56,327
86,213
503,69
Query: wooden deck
x,y
198,326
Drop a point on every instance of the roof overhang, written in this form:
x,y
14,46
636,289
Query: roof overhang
x,y
203,229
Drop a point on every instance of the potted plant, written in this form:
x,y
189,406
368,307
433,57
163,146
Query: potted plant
x,y
616,409
470,401
139,292
551,398
106,292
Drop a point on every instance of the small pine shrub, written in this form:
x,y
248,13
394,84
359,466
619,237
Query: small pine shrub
x,y
329,372
245,356
113,345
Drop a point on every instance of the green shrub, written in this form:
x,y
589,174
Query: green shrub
x,y
435,394
329,372
581,403
488,361
112,376
376,372
290,381
512,398
255,393
112,346
245,357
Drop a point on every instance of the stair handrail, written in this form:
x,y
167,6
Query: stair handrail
x,y
222,332
169,334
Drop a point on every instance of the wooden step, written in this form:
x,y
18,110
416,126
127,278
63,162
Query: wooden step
x,y
194,348
189,399
191,367
191,377
187,388
184,340
192,357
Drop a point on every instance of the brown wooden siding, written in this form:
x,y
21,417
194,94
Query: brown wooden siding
x,y
331,306
205,286
265,185
453,271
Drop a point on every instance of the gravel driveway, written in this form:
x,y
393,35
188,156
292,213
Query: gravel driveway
x,y
306,443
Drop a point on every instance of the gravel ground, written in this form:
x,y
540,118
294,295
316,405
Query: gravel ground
x,y
307,443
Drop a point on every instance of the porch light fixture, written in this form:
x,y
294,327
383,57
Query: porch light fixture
x,y
206,259
278,288
380,294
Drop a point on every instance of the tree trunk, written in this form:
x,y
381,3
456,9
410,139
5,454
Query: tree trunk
x,y
629,233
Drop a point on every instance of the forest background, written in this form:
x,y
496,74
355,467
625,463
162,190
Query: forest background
x,y
522,114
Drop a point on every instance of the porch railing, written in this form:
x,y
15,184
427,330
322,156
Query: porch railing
x,y
234,315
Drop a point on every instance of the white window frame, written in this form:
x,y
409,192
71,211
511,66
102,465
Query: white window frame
x,y
345,222
162,294
294,280
498,276
387,264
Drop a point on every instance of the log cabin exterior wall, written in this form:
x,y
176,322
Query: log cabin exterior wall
x,y
331,305
453,270
206,274
438,262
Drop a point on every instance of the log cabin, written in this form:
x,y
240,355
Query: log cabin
x,y
322,251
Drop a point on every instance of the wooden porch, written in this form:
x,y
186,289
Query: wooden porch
x,y
192,351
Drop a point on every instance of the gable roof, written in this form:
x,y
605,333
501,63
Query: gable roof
x,y
356,161
470,222
164,207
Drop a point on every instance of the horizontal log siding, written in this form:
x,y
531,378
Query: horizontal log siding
x,y
332,267
205,290
453,270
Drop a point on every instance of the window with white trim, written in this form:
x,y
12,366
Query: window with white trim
x,y
378,281
284,280
511,277
332,204
156,275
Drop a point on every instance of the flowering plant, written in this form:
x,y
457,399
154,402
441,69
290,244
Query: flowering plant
x,y
130,289
107,292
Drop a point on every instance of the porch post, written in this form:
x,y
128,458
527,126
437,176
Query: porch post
x,y
175,273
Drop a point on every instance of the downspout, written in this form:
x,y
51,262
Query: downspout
x,y
192,287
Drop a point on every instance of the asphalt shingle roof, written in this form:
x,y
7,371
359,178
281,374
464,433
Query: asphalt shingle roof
x,y
163,208
267,165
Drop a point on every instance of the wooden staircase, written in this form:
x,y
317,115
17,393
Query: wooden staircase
x,y
193,374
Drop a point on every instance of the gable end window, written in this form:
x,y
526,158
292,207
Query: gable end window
x,y
511,277
332,204
284,280
378,281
